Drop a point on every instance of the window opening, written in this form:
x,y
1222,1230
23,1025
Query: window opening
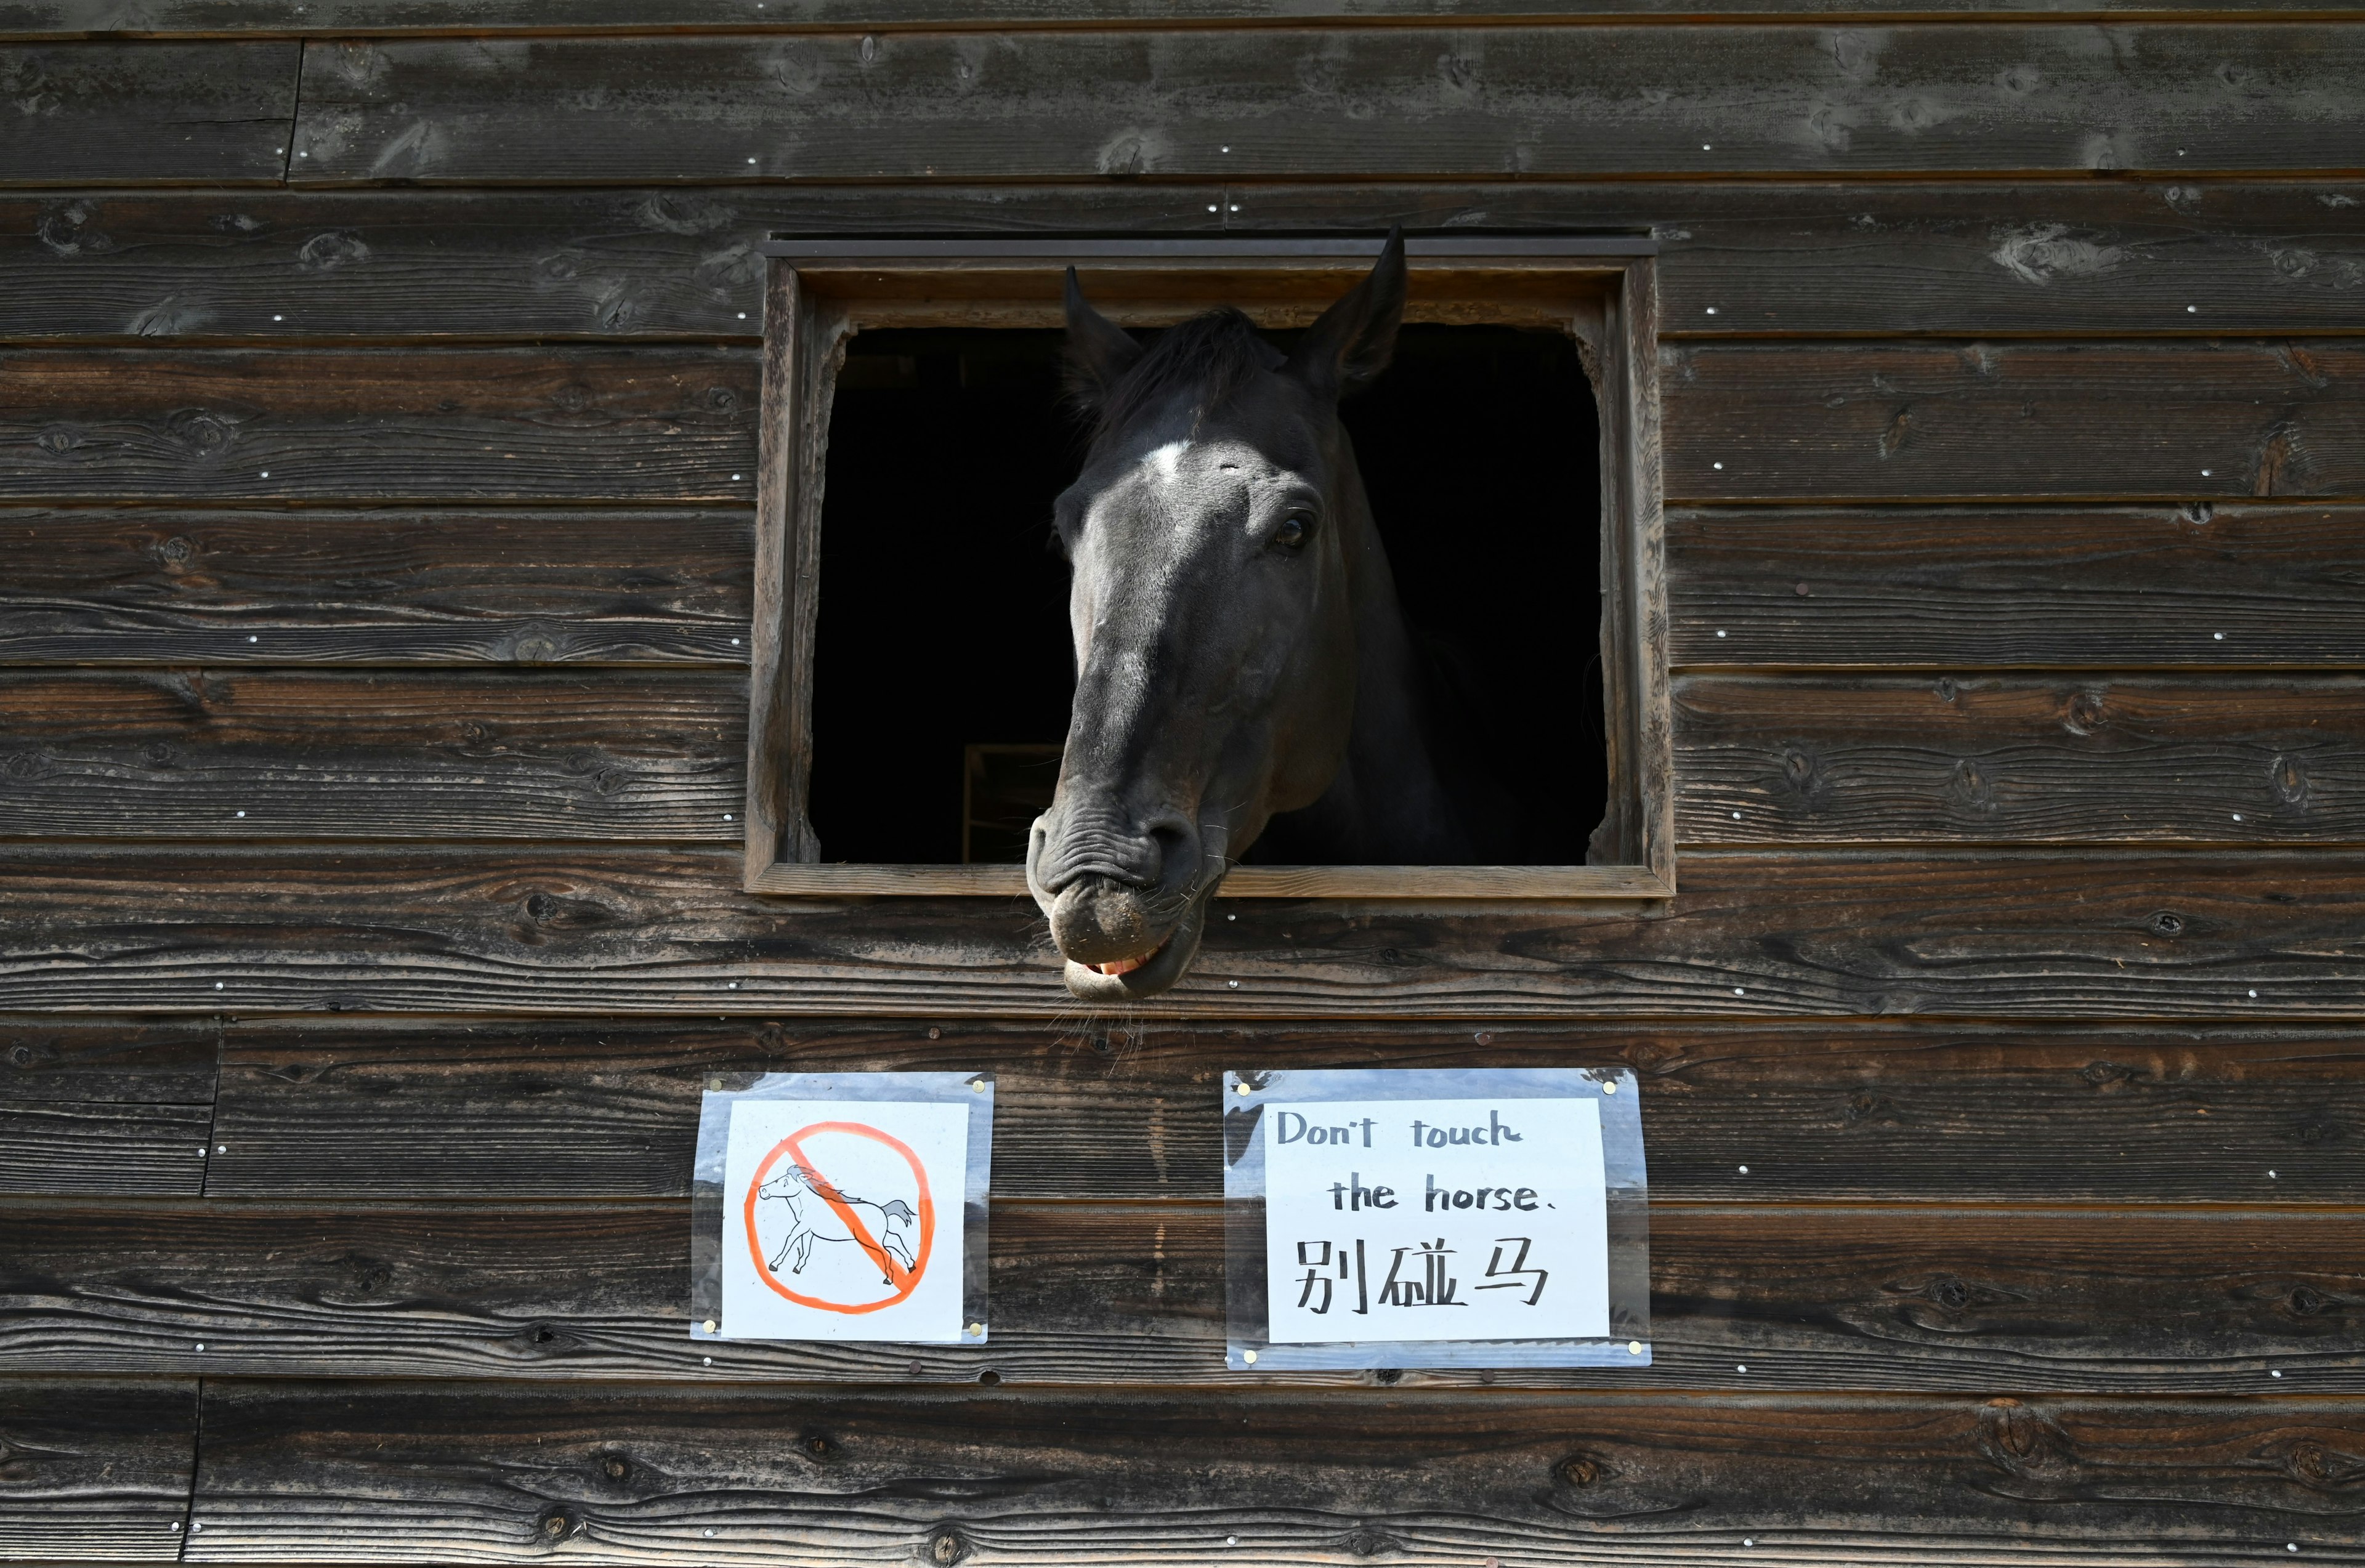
x,y
942,662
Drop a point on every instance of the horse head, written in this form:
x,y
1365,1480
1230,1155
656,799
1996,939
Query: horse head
x,y
1217,536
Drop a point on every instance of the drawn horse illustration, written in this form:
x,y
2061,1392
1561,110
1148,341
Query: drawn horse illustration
x,y
1241,657
813,1216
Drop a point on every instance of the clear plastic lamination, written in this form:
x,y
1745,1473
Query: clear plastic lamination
x,y
1359,1285
708,1216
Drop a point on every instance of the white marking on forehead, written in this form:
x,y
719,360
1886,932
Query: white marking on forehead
x,y
1167,461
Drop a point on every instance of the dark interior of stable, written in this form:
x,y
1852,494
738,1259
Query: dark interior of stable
x,y
942,670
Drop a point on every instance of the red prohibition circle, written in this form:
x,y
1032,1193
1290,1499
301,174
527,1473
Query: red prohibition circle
x,y
909,1280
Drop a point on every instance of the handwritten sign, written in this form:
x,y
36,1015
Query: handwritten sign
x,y
1435,1219
843,1220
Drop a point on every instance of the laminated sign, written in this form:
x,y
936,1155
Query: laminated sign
x,y
1436,1218
843,1206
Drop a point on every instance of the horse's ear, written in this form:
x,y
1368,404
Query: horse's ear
x,y
1099,350
1348,348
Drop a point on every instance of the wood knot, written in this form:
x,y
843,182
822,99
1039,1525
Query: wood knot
x,y
1971,785
553,1524
2167,923
2313,1463
2306,1301
22,1055
1580,1470
2083,715
1367,1542
818,1447
2287,780
946,1546
1388,1377
2313,1135
614,1466
1864,1106
2017,1438
2101,1073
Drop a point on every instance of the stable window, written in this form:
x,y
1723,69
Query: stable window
x,y
912,671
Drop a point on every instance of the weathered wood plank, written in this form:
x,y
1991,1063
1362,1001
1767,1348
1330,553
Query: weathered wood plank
x,y
2102,589
1786,421
198,587
146,1061
1959,258
198,753
1743,1296
95,1470
619,424
2167,421
336,19
1823,759
400,1471
1268,103
102,1148
344,1109
114,1107
146,113
2264,934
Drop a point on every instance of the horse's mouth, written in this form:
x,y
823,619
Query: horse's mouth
x,y
1126,966
1137,978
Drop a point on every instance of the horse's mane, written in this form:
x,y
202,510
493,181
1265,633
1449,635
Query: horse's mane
x,y
1216,353
818,1185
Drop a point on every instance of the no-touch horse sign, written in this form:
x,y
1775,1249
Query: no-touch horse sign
x,y
843,1219
786,1213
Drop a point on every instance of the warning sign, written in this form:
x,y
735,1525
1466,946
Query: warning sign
x,y
834,1228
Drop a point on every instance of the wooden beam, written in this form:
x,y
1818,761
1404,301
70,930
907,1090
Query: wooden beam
x,y
2260,933
312,1472
1747,1296
146,113
347,18
1865,758
112,1106
187,754
343,1109
2244,585
189,585
617,425
1961,258
96,1470
2197,421
1258,103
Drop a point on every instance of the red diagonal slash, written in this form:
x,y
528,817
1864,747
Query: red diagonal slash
x,y
904,1280
828,1191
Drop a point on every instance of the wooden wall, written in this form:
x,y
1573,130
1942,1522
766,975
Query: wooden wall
x,y
378,402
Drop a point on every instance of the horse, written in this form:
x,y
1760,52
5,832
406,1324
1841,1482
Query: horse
x,y
813,1217
1242,662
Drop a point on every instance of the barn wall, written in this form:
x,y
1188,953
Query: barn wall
x,y
378,417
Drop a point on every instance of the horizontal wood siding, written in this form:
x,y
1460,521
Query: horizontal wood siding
x,y
378,418
330,1110
1743,1296
1384,101
190,585
398,17
386,425
2160,934
146,114
96,1471
307,1471
2186,585
240,753
1965,258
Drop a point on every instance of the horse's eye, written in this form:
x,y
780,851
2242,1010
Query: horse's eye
x,y
1294,529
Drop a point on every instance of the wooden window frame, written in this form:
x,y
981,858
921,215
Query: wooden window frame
x,y
819,292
